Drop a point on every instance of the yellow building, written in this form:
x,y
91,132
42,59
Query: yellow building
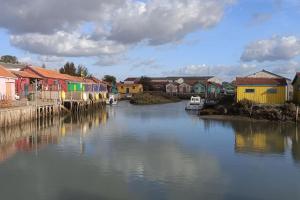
x,y
130,88
296,87
261,90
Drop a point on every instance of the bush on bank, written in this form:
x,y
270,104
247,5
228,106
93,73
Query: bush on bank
x,y
286,112
152,98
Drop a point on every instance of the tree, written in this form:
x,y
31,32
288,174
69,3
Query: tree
x,y
68,68
146,82
82,71
9,59
110,79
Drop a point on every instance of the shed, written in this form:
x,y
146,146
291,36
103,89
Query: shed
x,y
261,90
7,84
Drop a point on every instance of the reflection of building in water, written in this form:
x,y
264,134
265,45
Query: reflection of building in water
x,y
260,137
27,137
296,146
30,137
7,151
259,142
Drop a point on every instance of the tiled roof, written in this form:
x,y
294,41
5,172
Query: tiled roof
x,y
132,79
261,81
196,78
25,74
173,83
73,78
5,73
128,84
192,82
47,73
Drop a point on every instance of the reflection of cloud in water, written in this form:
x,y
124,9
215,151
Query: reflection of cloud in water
x,y
123,167
164,162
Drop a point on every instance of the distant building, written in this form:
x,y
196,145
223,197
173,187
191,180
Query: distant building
x,y
184,88
172,88
261,90
7,84
124,88
199,88
163,83
213,89
228,88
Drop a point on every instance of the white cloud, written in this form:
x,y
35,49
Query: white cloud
x,y
65,44
160,22
276,48
287,69
57,28
51,59
110,60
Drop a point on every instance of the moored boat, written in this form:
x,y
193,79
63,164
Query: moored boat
x,y
112,100
196,103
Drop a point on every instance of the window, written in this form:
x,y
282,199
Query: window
x,y
249,90
133,87
272,91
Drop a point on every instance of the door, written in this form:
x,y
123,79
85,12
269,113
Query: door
x,y
8,90
26,89
127,90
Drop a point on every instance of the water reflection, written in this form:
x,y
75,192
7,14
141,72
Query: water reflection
x,y
259,138
33,136
296,146
129,152
262,138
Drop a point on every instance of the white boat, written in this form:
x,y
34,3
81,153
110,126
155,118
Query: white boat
x,y
112,100
196,103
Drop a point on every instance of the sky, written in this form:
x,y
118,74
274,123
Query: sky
x,y
125,38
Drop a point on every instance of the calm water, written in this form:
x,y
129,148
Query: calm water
x,y
149,152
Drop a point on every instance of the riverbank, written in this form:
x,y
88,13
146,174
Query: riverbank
x,y
246,109
17,115
152,98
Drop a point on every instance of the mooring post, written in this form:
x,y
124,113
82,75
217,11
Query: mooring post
x,y
297,113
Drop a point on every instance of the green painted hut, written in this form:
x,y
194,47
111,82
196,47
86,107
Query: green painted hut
x,y
199,88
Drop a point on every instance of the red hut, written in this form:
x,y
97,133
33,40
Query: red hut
x,y
51,79
25,83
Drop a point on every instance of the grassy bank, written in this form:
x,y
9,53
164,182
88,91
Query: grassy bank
x,y
152,98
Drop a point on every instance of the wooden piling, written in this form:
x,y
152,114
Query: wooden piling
x,y
297,113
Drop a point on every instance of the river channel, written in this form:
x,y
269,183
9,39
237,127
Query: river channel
x,y
155,152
